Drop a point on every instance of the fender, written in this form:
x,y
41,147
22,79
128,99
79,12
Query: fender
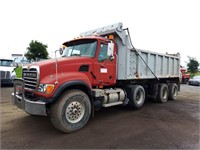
x,y
66,85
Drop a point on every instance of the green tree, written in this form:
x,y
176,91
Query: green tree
x,y
192,65
36,51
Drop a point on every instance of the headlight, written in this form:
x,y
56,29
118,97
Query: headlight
x,y
46,88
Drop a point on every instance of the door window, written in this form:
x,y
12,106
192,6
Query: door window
x,y
103,53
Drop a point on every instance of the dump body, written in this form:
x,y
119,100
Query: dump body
x,y
131,65
135,63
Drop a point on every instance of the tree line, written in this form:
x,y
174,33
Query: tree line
x,y
36,51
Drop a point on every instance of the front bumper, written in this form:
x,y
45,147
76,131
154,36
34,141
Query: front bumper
x,y
31,107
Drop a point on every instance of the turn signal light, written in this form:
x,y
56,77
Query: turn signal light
x,y
46,88
111,37
49,88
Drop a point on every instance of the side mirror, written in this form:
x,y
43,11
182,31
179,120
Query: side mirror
x,y
60,51
110,50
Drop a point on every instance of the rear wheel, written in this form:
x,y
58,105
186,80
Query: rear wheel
x,y
136,95
163,93
71,112
173,91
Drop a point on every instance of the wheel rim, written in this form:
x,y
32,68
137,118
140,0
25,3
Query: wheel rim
x,y
175,92
75,112
165,93
139,96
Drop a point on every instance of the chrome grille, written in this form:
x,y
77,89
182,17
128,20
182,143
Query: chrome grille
x,y
5,74
31,78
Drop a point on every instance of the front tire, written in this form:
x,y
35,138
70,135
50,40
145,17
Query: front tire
x,y
71,112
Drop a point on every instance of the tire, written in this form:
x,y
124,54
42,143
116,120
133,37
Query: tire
x,y
136,96
184,81
163,93
71,112
173,91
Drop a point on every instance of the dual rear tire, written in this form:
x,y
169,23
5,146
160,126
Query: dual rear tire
x,y
173,91
166,92
136,94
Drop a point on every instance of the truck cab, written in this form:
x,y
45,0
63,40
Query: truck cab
x,y
185,75
6,71
100,68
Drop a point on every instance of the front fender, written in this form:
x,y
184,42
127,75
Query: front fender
x,y
69,84
65,80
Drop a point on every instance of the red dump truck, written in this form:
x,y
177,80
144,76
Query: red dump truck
x,y
99,69
185,76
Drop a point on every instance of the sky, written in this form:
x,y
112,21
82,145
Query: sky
x,y
157,25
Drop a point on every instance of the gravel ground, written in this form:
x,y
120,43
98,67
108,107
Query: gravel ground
x,y
173,125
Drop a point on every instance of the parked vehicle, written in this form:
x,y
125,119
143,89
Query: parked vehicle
x,y
101,68
6,68
185,75
195,80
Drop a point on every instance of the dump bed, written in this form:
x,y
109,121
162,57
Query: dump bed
x,y
146,65
135,63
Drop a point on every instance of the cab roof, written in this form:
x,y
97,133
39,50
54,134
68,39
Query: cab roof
x,y
87,37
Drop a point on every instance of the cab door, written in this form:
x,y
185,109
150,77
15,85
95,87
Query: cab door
x,y
104,68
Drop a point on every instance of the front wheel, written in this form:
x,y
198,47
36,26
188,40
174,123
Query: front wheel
x,y
71,112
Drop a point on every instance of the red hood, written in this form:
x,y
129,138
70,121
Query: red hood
x,y
65,64
61,61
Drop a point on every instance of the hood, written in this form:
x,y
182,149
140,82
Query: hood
x,y
66,64
4,68
61,61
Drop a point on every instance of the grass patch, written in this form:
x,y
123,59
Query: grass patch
x,y
195,74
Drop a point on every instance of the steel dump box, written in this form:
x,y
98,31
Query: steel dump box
x,y
142,64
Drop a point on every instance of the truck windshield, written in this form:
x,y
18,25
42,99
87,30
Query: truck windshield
x,y
84,47
6,63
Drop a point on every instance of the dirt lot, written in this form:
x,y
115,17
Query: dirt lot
x,y
173,125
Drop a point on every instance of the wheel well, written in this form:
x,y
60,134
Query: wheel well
x,y
81,87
